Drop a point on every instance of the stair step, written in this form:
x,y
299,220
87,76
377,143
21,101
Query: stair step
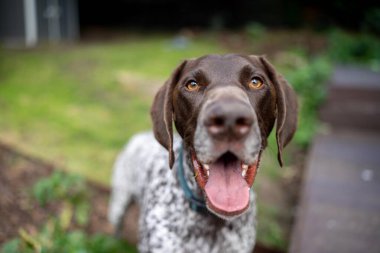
x,y
353,77
354,99
340,206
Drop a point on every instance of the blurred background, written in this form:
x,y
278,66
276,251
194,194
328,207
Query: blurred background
x,y
77,79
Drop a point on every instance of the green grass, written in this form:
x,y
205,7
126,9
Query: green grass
x,y
77,106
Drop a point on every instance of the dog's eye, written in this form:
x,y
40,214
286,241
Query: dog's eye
x,y
256,83
192,85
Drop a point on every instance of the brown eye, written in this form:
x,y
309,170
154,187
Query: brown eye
x,y
256,83
192,85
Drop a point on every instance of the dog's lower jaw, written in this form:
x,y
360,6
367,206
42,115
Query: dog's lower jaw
x,y
225,217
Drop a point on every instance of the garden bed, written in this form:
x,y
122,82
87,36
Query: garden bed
x,y
18,209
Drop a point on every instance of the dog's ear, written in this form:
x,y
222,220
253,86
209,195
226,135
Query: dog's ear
x,y
287,108
162,113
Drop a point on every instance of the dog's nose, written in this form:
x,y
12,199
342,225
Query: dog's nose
x,y
229,120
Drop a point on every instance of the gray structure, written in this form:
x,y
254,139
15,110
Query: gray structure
x,y
29,22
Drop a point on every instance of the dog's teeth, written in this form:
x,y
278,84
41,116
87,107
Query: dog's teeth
x,y
207,168
245,168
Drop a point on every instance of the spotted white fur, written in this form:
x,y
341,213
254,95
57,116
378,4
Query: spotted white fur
x,y
167,223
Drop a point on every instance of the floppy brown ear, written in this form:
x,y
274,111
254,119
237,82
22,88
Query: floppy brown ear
x,y
287,108
162,113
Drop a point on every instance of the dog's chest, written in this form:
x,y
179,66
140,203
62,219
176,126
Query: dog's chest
x,y
167,221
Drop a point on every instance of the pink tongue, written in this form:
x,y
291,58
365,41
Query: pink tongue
x,y
226,189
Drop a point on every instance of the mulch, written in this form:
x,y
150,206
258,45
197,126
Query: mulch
x,y
18,209
17,176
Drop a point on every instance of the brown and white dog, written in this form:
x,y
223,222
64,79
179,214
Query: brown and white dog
x,y
224,108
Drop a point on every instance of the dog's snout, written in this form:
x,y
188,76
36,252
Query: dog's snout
x,y
231,120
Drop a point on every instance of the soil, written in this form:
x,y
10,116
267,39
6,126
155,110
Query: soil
x,y
16,209
18,173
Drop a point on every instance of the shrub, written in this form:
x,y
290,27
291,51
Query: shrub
x,y
48,241
69,188
307,75
255,30
360,48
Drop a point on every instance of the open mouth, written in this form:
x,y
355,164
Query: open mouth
x,y
226,183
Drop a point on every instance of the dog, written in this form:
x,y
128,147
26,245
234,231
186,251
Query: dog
x,y
223,108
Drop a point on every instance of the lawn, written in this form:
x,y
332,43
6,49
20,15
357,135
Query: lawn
x,y
77,106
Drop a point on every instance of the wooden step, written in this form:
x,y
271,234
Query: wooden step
x,y
353,99
339,209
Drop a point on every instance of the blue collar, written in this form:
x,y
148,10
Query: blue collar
x,y
197,203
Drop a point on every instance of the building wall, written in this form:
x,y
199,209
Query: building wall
x,y
46,23
12,29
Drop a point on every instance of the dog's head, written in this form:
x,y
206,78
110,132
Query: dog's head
x,y
224,107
